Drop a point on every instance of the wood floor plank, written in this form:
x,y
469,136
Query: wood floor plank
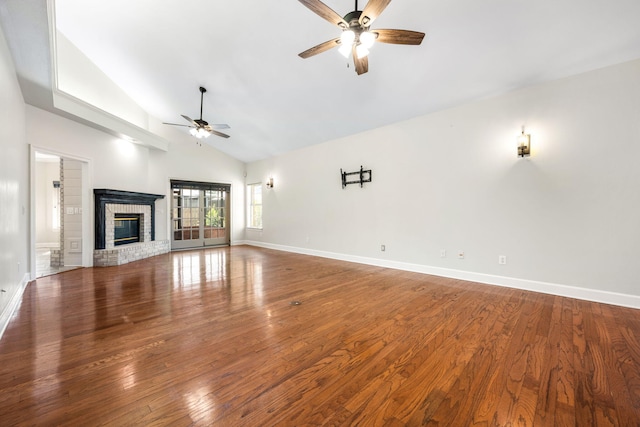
x,y
550,366
209,337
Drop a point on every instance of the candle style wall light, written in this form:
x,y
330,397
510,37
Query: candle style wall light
x,y
524,144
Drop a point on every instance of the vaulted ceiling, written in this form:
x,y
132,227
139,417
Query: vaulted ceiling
x,y
246,54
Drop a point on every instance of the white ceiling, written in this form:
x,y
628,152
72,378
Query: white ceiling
x,y
246,54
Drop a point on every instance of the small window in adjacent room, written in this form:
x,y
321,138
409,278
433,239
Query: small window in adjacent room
x,y
55,212
254,205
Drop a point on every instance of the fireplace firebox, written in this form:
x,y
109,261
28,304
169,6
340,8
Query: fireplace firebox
x,y
126,228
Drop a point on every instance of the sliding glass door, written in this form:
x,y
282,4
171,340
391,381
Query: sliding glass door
x,y
199,214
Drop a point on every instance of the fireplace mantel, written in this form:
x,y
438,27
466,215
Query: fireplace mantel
x,y
102,197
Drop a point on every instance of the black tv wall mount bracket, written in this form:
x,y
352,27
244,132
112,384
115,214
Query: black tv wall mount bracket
x,y
363,176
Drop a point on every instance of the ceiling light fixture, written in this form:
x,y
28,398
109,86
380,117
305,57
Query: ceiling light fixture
x,y
199,127
357,38
347,38
199,132
367,39
361,51
362,40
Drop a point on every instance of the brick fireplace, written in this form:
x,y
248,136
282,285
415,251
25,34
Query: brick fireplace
x,y
110,204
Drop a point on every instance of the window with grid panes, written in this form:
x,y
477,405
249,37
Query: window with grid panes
x,y
254,205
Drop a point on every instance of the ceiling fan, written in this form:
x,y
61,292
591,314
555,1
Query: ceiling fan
x,y
200,128
357,36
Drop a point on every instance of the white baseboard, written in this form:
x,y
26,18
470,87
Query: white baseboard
x,y
624,300
8,311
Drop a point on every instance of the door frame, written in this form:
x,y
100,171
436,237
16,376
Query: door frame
x,y
87,199
201,187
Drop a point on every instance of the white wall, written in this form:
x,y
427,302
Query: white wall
x,y
72,196
568,215
122,165
14,189
80,77
46,172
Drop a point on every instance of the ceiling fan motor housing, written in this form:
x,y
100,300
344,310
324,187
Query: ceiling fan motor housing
x,y
353,19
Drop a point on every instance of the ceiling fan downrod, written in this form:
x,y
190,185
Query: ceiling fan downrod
x,y
202,91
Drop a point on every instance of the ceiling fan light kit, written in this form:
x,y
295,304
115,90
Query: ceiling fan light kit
x,y
357,37
199,133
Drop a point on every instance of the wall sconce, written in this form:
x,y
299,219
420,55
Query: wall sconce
x,y
524,144
270,182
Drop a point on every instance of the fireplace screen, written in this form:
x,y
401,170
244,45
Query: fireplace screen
x,y
126,228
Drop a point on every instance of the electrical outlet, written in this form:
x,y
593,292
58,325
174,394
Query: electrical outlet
x,y
502,259
460,254
383,248
443,253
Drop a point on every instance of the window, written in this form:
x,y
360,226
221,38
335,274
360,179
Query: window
x,y
55,213
254,205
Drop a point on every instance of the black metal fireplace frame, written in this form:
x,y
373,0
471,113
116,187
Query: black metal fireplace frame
x,y
103,196
128,219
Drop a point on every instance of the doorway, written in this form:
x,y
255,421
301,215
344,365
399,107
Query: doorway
x,y
199,214
58,217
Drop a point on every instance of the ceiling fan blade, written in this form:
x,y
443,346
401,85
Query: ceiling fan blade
x,y
215,132
325,12
399,36
362,64
211,128
190,120
322,47
372,10
176,124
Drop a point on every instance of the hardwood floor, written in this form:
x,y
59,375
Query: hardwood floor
x,y
211,337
